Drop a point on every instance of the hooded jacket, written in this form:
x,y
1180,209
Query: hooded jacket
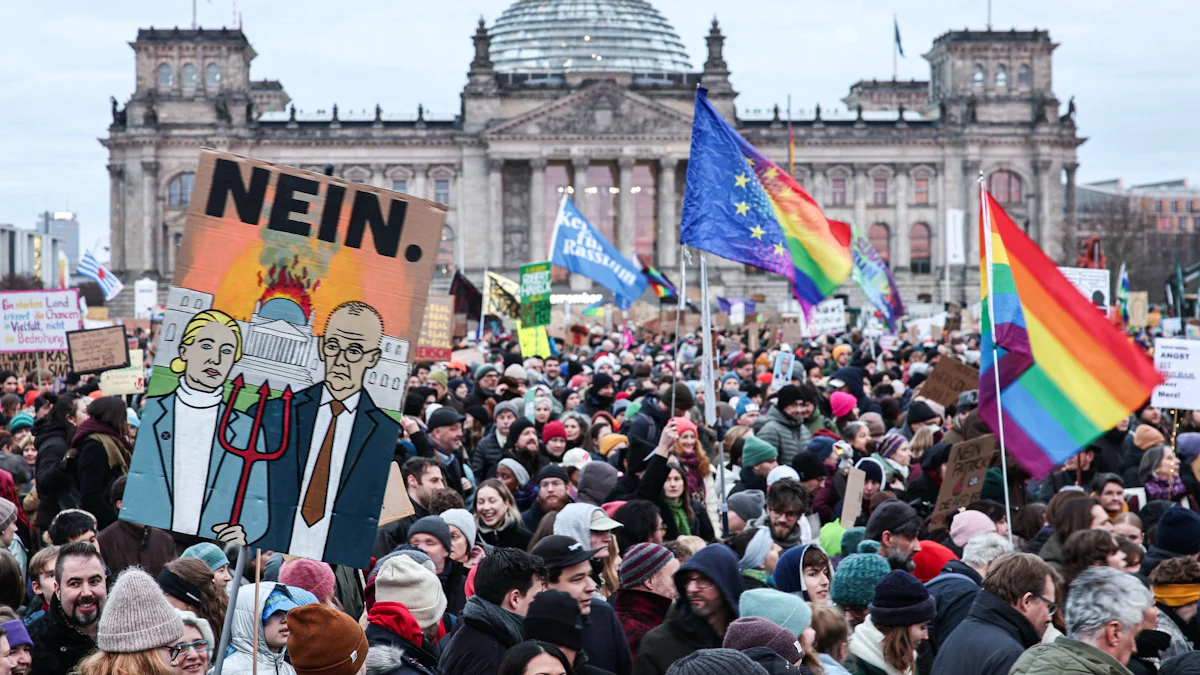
x,y
785,434
988,642
789,571
683,632
575,521
247,617
487,632
395,652
853,378
1065,656
749,481
954,590
650,487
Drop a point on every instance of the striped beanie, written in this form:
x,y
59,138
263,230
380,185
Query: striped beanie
x,y
641,562
890,443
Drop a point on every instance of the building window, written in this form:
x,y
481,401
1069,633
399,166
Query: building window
x,y
837,192
977,76
880,237
445,255
645,209
1001,76
919,248
214,75
1174,206
441,191
164,75
1158,206
1005,186
189,75
1024,76
879,196
921,191
400,185
179,191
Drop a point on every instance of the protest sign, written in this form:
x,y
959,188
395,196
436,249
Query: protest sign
x,y
534,341
95,351
1179,362
856,479
1139,308
828,318
38,321
535,294
435,341
57,363
950,377
888,342
1092,283
396,505
782,376
295,300
145,298
791,330
125,381
502,296
969,462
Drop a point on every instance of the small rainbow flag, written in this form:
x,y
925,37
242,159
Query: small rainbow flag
x,y
743,207
1066,375
663,288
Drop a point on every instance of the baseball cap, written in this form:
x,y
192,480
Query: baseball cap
x,y
602,523
558,551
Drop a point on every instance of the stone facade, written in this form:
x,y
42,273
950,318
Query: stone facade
x,y
522,139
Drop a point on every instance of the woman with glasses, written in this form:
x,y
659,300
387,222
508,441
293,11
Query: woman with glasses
x,y
193,653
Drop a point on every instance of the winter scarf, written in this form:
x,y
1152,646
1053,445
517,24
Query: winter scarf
x,y
691,472
509,521
115,446
500,619
395,617
867,645
1157,488
679,515
800,534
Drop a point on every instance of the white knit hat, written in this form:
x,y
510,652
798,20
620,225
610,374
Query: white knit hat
x,y
137,616
404,580
464,521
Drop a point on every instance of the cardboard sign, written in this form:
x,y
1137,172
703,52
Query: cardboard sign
x,y
969,462
534,341
791,330
22,363
396,505
950,377
889,342
828,318
752,338
852,502
535,294
782,376
38,321
95,351
435,341
295,301
125,381
1093,284
1139,309
1179,362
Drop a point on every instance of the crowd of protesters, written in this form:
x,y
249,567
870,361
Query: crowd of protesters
x,y
577,514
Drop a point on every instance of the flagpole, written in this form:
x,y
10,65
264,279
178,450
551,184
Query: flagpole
x,y
895,48
791,141
679,307
987,226
484,303
710,391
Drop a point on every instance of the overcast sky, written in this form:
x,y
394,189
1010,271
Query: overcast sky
x,y
1132,72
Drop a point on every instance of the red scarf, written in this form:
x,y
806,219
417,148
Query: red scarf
x,y
395,617
691,472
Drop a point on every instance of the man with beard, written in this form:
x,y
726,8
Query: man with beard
x,y
444,431
894,525
486,379
786,503
422,477
600,395
552,495
66,633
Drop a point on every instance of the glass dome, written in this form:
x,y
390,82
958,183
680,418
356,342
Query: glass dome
x,y
555,36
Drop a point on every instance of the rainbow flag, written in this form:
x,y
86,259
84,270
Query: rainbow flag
x,y
743,207
1066,375
663,288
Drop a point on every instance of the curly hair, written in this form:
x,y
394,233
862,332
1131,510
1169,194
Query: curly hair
x,y
213,601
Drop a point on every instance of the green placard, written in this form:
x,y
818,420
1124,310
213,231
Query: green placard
x,y
535,294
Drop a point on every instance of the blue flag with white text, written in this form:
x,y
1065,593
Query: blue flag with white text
x,y
580,248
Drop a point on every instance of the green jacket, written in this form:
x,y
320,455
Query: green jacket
x,y
1067,657
787,435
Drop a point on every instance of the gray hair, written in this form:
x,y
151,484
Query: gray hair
x,y
190,619
985,547
1151,458
1101,595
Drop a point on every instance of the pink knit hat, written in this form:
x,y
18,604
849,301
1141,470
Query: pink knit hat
x,y
314,577
842,403
967,524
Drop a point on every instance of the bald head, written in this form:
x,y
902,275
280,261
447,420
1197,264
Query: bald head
x,y
350,347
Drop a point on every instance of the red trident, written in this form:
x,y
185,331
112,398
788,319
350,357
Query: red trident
x,y
248,454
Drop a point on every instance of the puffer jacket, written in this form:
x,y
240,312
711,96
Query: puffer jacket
x,y
787,435
1067,657
487,455
247,617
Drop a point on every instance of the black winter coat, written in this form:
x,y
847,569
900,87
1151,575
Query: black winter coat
x,y
397,656
748,480
477,648
651,488
988,642
95,478
604,640
487,456
56,486
454,580
773,663
954,596
57,646
680,634
388,537
513,536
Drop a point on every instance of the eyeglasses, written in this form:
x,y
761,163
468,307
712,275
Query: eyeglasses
x,y
1051,606
200,646
702,583
353,354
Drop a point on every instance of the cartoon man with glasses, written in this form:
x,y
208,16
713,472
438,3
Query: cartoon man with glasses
x,y
327,488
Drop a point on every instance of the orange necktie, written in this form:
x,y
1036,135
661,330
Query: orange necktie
x,y
313,508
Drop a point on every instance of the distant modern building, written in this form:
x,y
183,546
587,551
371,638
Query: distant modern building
x,y
63,225
1167,206
31,253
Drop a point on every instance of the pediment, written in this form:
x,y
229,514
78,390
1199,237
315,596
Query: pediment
x,y
602,109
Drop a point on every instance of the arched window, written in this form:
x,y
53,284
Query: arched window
x,y
445,255
978,76
189,75
880,237
383,381
214,75
170,336
164,75
179,191
919,248
1005,186
1024,76
1001,76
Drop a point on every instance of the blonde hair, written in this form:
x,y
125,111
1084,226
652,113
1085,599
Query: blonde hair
x,y
200,321
922,440
136,663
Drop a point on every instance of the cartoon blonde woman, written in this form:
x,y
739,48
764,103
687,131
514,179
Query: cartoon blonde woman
x,y
181,478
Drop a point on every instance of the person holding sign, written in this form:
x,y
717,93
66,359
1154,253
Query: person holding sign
x,y
165,489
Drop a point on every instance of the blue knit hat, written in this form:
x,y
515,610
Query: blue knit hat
x,y
901,600
852,538
208,553
784,609
855,579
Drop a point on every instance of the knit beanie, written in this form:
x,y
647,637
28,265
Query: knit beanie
x,y
781,609
890,444
518,470
821,446
641,562
830,537
1146,437
311,575
18,635
8,514
1178,531
709,661
852,538
855,578
888,516
210,554
485,369
874,422
788,395
919,411
323,641
755,451
967,524
748,504
839,350
930,560
554,617
753,631
682,395
596,481
464,521
608,441
513,406
872,467
901,600
553,429
406,581
137,616
20,421
434,526
842,403
808,466
780,472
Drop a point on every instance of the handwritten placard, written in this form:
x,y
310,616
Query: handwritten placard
x,y
125,381
434,343
38,321
968,465
95,351
21,363
950,377
856,480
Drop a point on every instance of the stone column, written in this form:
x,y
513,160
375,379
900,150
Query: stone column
x,y
971,217
116,201
419,174
668,222
819,187
860,195
1041,202
625,206
538,242
495,221
901,253
1068,237
456,205
144,260
579,167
